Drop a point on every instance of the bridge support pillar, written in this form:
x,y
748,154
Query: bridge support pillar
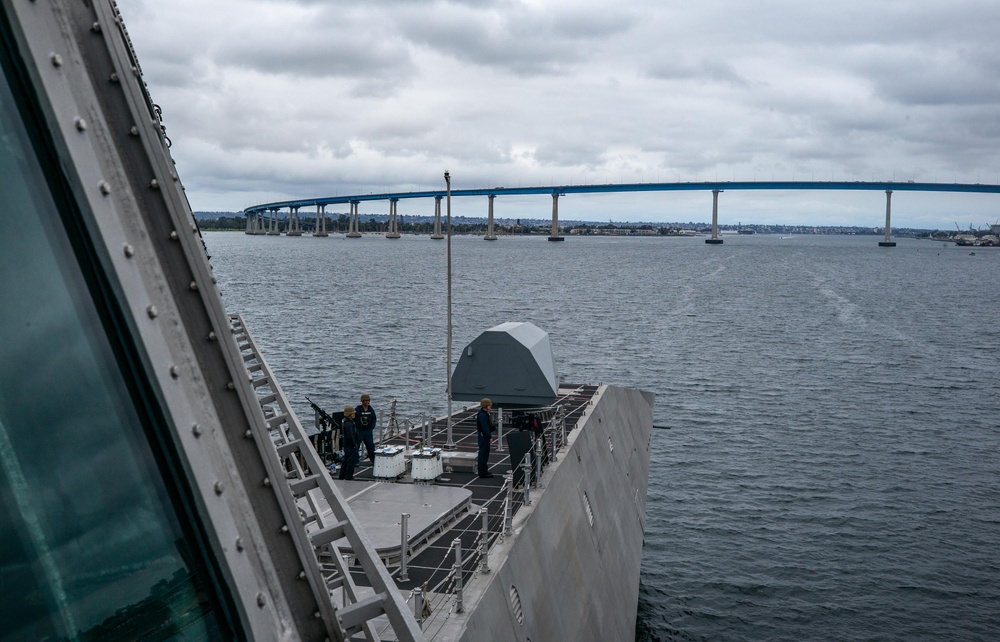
x,y
320,229
437,235
715,240
353,232
273,229
393,231
888,226
294,228
554,236
490,236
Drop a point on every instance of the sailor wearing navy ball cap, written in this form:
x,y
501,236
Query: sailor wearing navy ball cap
x,y
365,420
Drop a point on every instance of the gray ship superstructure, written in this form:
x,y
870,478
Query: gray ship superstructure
x,y
156,482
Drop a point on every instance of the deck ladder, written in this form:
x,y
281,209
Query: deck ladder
x,y
298,476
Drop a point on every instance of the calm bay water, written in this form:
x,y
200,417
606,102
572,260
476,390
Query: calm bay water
x,y
829,467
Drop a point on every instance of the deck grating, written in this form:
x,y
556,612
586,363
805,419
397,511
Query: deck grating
x,y
432,565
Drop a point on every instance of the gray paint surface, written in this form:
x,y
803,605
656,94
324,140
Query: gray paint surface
x,y
574,581
510,363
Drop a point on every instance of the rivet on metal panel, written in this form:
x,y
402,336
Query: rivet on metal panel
x,y
317,615
196,430
267,482
211,336
173,235
128,250
218,488
133,131
248,434
230,386
239,544
302,575
152,311
81,124
284,528
192,285
155,184
56,60
175,372
261,600
96,27
104,187
113,77
213,279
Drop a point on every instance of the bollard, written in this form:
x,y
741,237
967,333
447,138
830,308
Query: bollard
x,y
484,539
458,575
404,519
418,606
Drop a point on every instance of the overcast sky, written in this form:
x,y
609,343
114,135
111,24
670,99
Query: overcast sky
x,y
285,99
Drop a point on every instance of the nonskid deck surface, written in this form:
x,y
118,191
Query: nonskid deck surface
x,y
432,564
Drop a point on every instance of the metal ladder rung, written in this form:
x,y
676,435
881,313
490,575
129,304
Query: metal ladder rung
x,y
330,534
268,398
300,487
276,420
287,449
353,616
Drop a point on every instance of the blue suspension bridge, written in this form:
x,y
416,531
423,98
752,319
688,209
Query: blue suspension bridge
x,y
263,218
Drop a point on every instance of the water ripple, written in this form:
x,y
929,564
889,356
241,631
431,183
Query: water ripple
x,y
832,471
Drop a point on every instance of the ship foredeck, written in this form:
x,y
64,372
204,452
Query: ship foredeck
x,y
449,508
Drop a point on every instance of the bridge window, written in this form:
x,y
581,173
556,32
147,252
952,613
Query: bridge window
x,y
93,542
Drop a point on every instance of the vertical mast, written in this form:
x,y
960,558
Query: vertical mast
x,y
447,179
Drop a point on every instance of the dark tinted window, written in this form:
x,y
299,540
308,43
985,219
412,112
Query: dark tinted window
x,y
91,544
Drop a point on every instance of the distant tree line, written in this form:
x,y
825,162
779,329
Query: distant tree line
x,y
377,225
341,224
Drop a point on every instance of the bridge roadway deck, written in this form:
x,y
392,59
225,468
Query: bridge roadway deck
x,y
906,186
434,560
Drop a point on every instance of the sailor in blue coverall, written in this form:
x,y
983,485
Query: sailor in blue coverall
x,y
365,420
484,431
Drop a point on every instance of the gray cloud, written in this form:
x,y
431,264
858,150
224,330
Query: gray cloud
x,y
271,99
